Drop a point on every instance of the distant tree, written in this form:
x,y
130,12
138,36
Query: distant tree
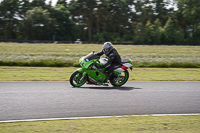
x,y
9,18
82,12
189,18
181,23
150,21
102,17
37,24
139,33
38,3
191,9
148,33
24,7
64,27
99,16
62,2
151,33
156,36
119,11
143,10
171,34
161,11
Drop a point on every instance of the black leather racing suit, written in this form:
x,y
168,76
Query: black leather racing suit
x,y
114,60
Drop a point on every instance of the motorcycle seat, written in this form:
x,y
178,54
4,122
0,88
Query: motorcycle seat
x,y
125,61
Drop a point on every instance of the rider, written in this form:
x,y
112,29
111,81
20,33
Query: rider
x,y
114,59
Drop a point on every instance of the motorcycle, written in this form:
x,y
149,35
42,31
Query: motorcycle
x,y
91,74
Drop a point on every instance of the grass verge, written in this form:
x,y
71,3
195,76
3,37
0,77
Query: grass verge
x,y
65,55
8,73
141,124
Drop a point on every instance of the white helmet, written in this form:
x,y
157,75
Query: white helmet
x,y
107,45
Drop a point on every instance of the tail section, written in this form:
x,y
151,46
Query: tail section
x,y
126,63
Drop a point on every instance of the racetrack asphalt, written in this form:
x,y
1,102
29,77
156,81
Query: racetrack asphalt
x,y
20,100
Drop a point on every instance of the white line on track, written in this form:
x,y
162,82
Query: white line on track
x,y
71,118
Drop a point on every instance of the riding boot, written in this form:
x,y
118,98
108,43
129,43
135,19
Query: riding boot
x,y
113,76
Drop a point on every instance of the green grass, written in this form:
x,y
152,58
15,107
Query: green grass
x,y
13,73
62,55
138,124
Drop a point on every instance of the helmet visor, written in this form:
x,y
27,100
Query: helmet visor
x,y
106,49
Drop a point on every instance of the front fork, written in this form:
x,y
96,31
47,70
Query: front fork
x,y
83,74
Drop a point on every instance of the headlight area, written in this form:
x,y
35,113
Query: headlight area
x,y
82,64
86,65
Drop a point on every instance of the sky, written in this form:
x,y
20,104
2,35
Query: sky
x,y
53,2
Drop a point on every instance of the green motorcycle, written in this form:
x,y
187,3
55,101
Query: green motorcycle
x,y
91,74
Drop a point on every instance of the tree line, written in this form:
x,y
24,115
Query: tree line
x,y
130,21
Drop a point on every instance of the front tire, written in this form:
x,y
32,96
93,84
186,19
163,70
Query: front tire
x,y
76,79
121,80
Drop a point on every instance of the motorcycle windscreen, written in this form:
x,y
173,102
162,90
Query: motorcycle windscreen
x,y
90,57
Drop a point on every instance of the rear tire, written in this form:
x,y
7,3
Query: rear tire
x,y
121,80
75,79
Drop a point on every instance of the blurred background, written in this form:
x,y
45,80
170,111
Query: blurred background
x,y
97,21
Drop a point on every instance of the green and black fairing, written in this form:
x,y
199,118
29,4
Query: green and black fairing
x,y
87,63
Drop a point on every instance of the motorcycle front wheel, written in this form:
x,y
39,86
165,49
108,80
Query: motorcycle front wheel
x,y
77,79
121,80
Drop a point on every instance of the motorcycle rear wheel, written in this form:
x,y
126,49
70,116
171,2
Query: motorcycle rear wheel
x,y
75,79
121,80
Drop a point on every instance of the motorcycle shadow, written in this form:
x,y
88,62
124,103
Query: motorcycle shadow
x,y
123,88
